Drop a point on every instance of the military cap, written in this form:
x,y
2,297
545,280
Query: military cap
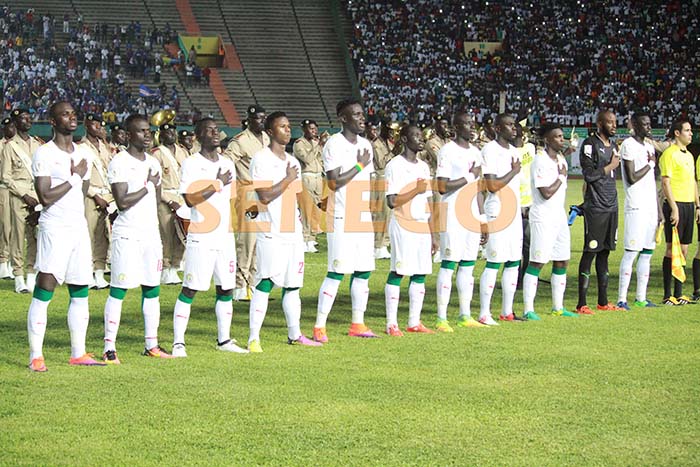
x,y
184,133
255,109
308,121
6,121
167,126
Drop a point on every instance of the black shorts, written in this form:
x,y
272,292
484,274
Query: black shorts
x,y
686,220
600,231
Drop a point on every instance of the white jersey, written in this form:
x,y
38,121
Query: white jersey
x,y
455,162
281,214
401,176
545,171
140,220
338,152
50,161
641,195
497,160
197,173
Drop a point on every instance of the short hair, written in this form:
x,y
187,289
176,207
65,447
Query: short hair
x,y
638,116
199,126
500,118
601,115
54,106
272,117
345,103
459,114
677,126
132,119
406,128
549,127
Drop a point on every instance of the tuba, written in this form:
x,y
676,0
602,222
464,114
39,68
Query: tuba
x,y
161,118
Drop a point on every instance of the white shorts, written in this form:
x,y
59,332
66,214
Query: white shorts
x,y
350,251
506,245
66,254
202,262
459,244
282,263
136,262
550,241
410,251
640,230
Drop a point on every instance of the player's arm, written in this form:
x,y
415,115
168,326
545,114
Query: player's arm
x,y
399,199
337,180
548,191
266,195
198,197
445,185
632,176
494,183
126,200
48,195
668,193
697,204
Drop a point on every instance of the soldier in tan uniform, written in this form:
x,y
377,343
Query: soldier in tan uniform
x,y
307,150
378,134
8,132
118,138
99,196
441,136
17,175
240,150
170,155
184,137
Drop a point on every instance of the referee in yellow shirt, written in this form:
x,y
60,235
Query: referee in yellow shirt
x,y
681,208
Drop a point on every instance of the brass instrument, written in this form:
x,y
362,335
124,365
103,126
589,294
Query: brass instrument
x,y
573,139
161,118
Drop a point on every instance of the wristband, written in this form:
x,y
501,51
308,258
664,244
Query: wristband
x,y
562,178
359,167
75,180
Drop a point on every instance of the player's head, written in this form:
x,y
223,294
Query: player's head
x,y
22,119
463,123
351,115
504,127
278,128
442,126
553,136
412,138
207,133
119,135
310,129
93,125
682,132
184,137
256,119
62,118
641,124
8,128
167,134
607,123
138,132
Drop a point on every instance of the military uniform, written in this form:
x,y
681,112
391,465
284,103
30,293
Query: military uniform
x,y
382,154
170,162
5,215
17,175
308,153
241,150
432,148
97,218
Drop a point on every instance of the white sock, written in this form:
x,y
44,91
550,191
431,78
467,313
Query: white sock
x,y
359,294
224,315
529,291
643,268
416,294
258,309
326,297
509,284
465,289
486,285
291,305
625,274
558,288
36,327
181,316
113,315
78,319
444,288
391,299
151,321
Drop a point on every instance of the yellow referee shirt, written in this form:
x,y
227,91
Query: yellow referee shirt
x,y
677,165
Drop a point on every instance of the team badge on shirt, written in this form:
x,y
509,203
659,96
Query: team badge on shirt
x,y
588,150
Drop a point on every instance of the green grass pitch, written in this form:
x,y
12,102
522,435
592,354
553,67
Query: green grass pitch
x,y
610,389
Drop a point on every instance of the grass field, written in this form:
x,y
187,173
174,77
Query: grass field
x,y
610,389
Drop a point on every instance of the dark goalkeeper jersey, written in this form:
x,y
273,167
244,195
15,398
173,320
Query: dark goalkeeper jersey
x,y
601,190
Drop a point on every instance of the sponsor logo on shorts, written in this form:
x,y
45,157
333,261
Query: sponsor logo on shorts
x,y
593,244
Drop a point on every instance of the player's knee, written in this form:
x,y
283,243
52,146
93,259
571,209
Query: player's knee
x,y
445,264
78,291
46,281
467,263
189,293
335,276
393,278
418,278
116,292
265,285
512,264
150,292
361,274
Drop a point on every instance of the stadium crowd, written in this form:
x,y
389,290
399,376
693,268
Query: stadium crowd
x,y
560,60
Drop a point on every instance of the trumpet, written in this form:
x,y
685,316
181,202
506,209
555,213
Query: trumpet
x,y
161,118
